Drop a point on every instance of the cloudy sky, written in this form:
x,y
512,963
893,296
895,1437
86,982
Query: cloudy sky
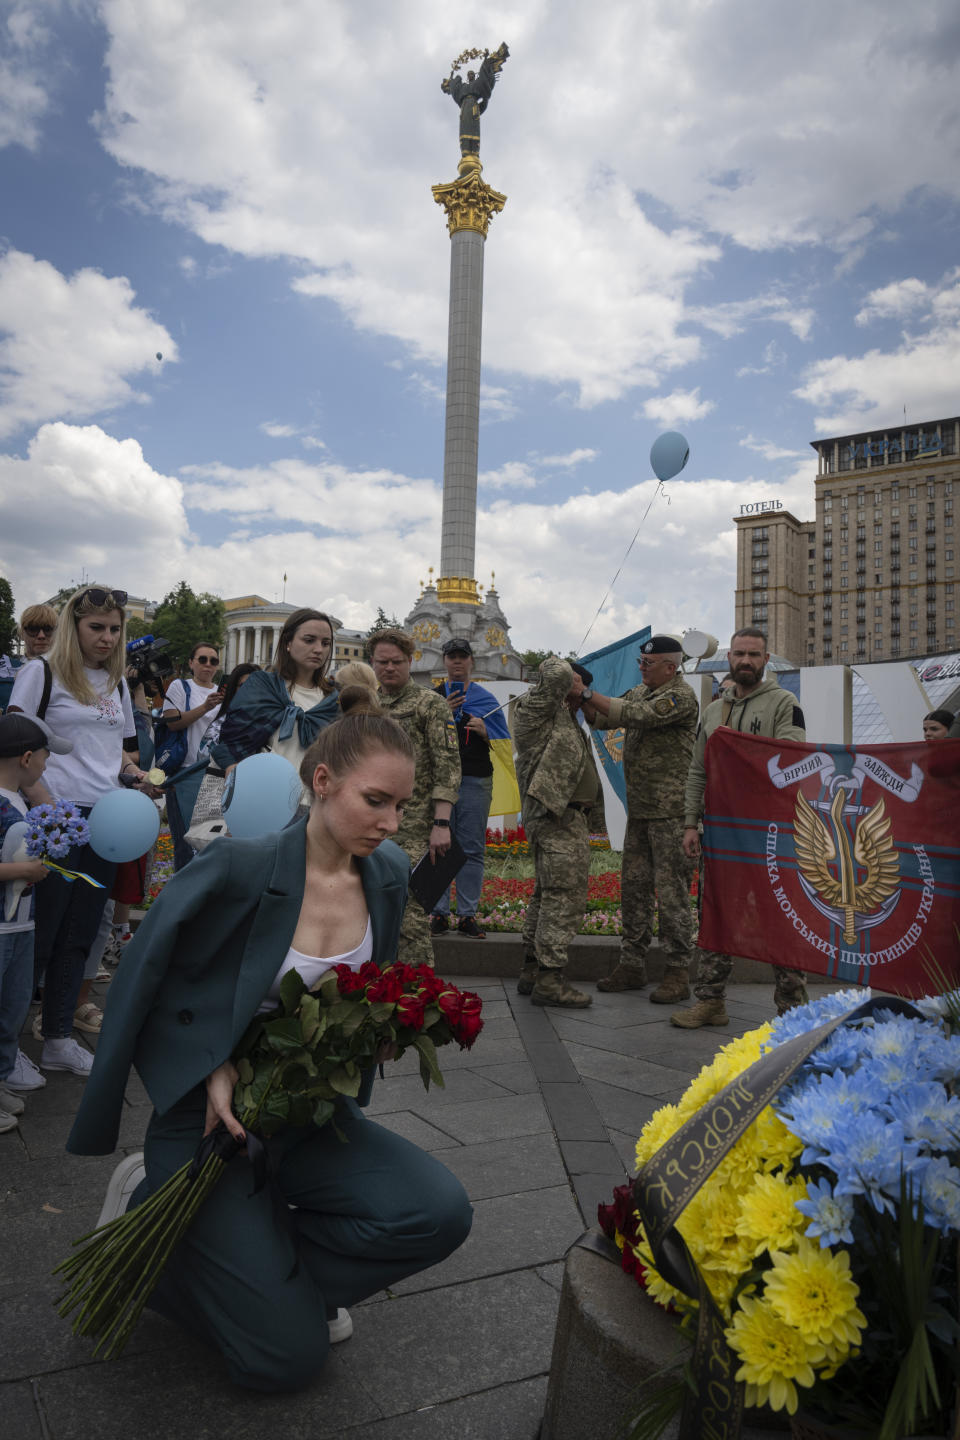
x,y
735,218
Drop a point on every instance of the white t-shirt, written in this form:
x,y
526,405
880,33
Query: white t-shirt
x,y
291,748
311,967
177,700
22,918
97,731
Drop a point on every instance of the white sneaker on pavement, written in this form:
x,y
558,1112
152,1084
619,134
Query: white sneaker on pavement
x,y
66,1054
340,1326
123,1182
24,1075
7,1121
8,1101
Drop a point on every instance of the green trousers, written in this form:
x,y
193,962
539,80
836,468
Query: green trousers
x,y
258,1279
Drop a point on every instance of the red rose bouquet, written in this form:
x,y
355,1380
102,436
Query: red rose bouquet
x,y
294,1064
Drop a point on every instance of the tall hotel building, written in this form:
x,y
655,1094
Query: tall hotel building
x,y
872,576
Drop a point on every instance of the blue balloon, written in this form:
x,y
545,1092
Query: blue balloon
x,y
668,455
261,796
123,825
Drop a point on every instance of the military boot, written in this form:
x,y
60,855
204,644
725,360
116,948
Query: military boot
x,y
528,975
705,1012
790,1002
552,989
624,977
673,988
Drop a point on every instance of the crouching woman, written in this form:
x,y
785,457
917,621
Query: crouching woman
x,y
262,1281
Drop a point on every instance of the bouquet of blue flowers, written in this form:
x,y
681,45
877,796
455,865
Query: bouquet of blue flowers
x,y
827,1237
53,831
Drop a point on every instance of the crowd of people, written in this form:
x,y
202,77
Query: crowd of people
x,y
394,775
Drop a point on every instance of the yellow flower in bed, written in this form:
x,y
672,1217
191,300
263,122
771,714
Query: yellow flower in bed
x,y
813,1291
768,1214
774,1355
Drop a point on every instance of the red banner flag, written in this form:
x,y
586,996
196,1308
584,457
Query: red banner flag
x,y
841,860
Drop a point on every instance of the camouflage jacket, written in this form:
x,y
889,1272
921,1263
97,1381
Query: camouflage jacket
x,y
551,746
660,726
427,720
766,710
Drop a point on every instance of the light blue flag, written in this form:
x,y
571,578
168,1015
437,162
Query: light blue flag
x,y
615,671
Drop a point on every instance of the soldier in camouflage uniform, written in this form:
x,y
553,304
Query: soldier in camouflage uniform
x,y
758,707
660,720
426,718
559,785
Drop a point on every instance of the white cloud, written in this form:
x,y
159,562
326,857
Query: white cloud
x,y
769,449
895,301
370,538
678,408
569,461
514,475
23,62
730,317
276,430
70,344
863,392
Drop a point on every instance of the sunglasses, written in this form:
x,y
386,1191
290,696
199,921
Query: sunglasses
x,y
100,597
207,659
39,629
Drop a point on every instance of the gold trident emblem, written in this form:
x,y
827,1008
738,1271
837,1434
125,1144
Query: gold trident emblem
x,y
818,846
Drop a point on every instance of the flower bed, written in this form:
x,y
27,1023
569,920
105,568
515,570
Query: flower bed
x,y
503,904
514,842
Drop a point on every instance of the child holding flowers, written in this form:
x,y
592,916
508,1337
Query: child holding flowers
x,y
259,1279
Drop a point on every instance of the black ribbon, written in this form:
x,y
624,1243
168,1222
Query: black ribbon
x,y
221,1143
671,1178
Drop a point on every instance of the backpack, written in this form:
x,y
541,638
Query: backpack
x,y
170,746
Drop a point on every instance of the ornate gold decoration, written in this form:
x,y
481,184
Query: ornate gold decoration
x,y
426,630
418,654
469,202
613,743
495,637
873,849
457,590
503,659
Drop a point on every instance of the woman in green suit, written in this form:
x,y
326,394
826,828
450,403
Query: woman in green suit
x,y
260,1279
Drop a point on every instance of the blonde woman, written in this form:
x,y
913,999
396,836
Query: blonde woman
x,y
78,689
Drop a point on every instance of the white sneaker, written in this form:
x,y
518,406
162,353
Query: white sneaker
x,y
7,1122
24,1075
66,1054
123,1182
8,1101
340,1327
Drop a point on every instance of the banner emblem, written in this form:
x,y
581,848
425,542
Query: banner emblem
x,y
851,906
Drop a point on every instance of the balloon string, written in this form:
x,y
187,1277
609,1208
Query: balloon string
x,y
623,562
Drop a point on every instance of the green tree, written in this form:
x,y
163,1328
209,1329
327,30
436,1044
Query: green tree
x,y
8,622
383,622
136,628
184,618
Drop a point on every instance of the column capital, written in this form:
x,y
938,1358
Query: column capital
x,y
469,202
457,590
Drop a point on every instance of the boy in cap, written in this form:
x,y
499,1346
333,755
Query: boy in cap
x,y
25,744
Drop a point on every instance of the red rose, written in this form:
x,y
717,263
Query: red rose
x,y
406,974
431,985
385,987
349,981
451,1005
410,1011
369,971
469,1025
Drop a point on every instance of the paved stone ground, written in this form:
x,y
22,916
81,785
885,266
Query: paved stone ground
x,y
539,1121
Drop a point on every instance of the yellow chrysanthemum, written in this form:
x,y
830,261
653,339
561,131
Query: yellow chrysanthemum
x,y
776,1358
775,1143
768,1214
656,1132
813,1290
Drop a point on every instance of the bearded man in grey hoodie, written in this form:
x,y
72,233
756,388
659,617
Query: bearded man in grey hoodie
x,y
757,707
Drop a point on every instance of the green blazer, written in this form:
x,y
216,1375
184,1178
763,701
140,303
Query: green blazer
x,y
201,963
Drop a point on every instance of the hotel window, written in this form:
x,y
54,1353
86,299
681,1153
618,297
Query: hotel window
x,y
878,545
947,506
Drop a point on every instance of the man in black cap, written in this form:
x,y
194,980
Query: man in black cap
x,y
559,785
659,717
468,818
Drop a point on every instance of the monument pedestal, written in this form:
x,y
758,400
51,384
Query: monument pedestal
x,y
435,618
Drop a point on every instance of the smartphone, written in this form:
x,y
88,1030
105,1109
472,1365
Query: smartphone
x,y
456,687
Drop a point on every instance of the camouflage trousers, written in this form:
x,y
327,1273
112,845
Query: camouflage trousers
x,y
561,855
713,972
655,871
415,946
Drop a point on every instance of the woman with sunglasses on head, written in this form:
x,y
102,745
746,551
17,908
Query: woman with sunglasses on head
x,y
284,707
193,709
79,690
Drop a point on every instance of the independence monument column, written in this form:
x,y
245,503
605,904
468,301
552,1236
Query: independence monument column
x,y
454,606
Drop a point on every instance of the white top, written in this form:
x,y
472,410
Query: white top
x,y
177,700
310,967
97,731
291,749
22,919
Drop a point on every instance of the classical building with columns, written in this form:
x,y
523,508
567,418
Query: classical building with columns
x,y
253,627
